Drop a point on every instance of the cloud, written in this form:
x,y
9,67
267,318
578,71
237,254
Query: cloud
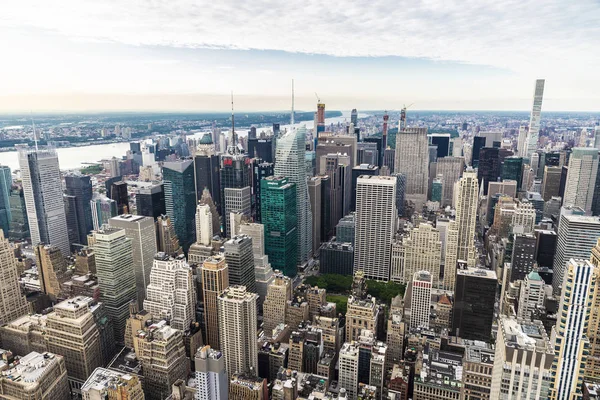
x,y
535,37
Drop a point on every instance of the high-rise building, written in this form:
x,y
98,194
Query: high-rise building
x,y
489,167
166,238
106,383
466,215
180,199
117,191
80,187
215,278
248,386
36,376
592,367
577,234
551,182
207,170
348,369
419,293
19,226
142,232
12,303
523,256
150,201
236,201
336,257
279,201
291,164
478,364
171,291
512,169
375,225
412,155
358,171
71,330
161,351
240,260
580,285
52,270
5,188
581,178
103,209
116,275
420,250
474,300
478,144
531,296
42,188
262,268
442,143
451,256
274,308
522,361
531,142
234,173
451,169
237,329
260,171
210,374
315,193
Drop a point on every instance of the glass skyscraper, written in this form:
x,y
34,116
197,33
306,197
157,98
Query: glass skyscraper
x,y
5,186
180,199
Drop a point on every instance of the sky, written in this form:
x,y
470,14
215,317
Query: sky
x,y
184,55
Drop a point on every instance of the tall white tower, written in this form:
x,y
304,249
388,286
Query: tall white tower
x,y
412,160
204,228
534,122
42,189
420,299
581,178
375,225
466,216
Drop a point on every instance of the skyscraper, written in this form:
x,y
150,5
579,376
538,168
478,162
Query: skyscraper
x,y
12,303
171,291
274,308
180,199
236,201
580,285
166,238
375,225
106,383
103,209
421,250
240,260
207,170
42,188
451,169
349,364
581,178
315,192
210,375
534,123
215,279
531,296
235,173
5,187
488,169
412,160
118,192
592,367
19,226
80,187
279,203
262,268
260,171
551,182
116,275
237,329
291,164
466,215
512,169
52,270
142,232
420,299
150,201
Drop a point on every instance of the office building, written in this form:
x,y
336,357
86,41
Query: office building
x,y
478,363
106,383
551,182
450,247
419,250
71,330
489,167
80,187
5,188
207,170
348,369
262,148
237,329
42,189
260,170
367,151
166,238
52,270
336,257
210,374
522,361
161,352
466,215
412,161
440,377
592,367
531,296
215,279
442,143
523,256
103,209
19,226
512,169
240,260
450,169
36,376
275,306
580,285
116,275
375,225
389,158
235,174
248,387
237,201
171,291
360,170
361,314
12,303
203,248
279,200
577,234
478,144
419,296
180,199
474,300
150,201
581,178
291,164
315,194
117,191
531,142
142,232
262,268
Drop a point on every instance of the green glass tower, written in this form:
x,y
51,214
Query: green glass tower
x,y
513,169
279,216
180,199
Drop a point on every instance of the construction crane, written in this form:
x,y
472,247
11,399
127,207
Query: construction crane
x,y
403,116
318,98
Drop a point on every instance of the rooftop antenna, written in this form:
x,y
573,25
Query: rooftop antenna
x,y
292,117
232,123
34,134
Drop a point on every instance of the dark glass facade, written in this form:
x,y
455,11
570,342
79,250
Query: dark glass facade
x,y
336,258
260,170
150,201
180,200
474,299
512,168
488,169
206,168
118,193
80,187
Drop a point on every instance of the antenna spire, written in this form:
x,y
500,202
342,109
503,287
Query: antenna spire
x,y
34,134
233,138
292,117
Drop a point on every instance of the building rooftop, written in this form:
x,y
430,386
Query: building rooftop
x,y
478,354
103,378
528,335
478,272
128,218
30,368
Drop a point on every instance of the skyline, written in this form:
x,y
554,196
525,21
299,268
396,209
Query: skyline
x,y
440,56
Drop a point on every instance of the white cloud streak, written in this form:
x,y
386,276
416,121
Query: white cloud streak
x,y
519,35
